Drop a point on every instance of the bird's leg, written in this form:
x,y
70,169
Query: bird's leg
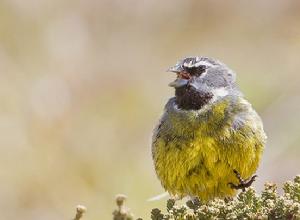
x,y
243,184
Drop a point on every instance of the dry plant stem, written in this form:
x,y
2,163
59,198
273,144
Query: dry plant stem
x,y
79,212
122,213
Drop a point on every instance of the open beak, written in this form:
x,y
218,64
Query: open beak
x,y
175,69
180,81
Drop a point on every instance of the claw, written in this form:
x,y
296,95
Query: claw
x,y
243,184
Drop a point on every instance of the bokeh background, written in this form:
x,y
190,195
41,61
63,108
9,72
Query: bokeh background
x,y
82,84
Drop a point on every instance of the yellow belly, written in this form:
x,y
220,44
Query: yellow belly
x,y
202,164
202,170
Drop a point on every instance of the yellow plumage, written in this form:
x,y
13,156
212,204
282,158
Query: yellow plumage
x,y
196,151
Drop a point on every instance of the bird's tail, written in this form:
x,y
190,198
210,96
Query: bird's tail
x,y
158,197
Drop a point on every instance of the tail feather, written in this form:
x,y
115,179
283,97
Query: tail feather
x,y
158,197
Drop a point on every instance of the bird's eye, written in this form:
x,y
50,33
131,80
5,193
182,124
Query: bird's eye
x,y
195,70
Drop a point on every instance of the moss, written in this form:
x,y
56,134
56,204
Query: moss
x,y
247,205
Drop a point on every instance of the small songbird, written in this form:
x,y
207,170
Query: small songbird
x,y
209,140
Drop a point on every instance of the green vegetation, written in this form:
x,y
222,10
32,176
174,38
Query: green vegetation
x,y
246,205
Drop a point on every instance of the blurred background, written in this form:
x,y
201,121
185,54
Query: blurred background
x,y
83,83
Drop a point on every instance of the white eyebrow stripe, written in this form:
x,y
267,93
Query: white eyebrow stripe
x,y
189,64
199,63
204,63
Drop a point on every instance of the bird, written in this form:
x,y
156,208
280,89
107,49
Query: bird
x,y
209,140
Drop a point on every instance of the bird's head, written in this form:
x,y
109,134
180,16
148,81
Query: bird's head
x,y
201,80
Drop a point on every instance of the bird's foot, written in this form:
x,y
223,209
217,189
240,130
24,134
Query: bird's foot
x,y
243,184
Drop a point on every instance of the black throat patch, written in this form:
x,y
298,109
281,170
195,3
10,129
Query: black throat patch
x,y
187,98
